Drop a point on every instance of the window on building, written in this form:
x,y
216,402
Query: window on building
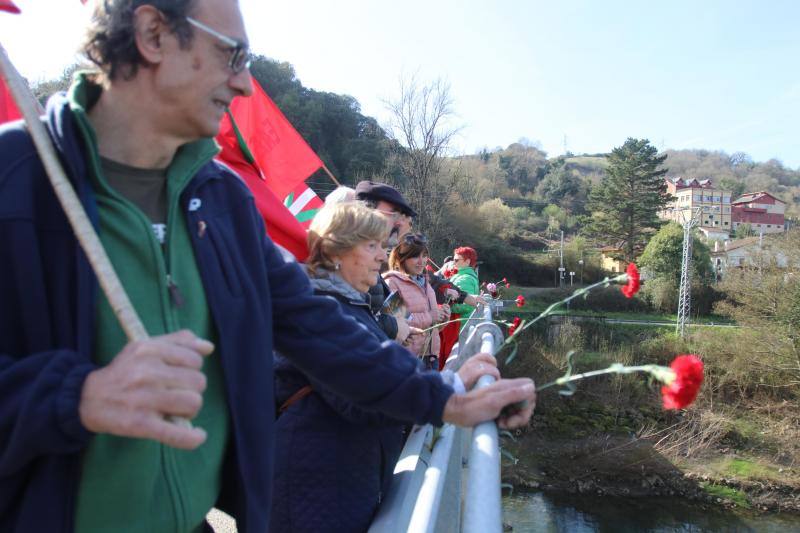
x,y
769,225
724,223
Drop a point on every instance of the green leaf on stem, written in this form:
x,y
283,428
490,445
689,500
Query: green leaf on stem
x,y
507,433
508,455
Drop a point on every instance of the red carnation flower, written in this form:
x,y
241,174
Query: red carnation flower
x,y
505,280
520,301
8,5
514,325
632,287
688,378
508,285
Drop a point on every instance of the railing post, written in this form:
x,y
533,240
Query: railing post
x,y
483,506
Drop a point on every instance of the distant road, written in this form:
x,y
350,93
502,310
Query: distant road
x,y
654,323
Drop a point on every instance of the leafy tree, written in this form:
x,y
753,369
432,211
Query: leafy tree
x,y
663,255
744,230
562,187
766,299
522,165
624,206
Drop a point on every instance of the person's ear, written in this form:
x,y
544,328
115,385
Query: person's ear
x,y
150,29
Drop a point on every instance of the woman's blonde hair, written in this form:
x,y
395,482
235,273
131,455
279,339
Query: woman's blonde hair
x,y
338,228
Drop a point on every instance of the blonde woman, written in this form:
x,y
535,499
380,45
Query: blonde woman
x,y
333,460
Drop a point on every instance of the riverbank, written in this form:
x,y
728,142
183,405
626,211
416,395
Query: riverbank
x,y
613,439
618,466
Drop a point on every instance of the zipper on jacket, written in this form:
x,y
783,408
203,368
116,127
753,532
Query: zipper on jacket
x,y
174,292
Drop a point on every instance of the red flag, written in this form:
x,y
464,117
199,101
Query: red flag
x,y
282,226
280,152
8,109
8,5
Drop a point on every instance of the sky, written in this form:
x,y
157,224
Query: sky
x,y
576,75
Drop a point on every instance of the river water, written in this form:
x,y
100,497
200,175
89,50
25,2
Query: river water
x,y
538,512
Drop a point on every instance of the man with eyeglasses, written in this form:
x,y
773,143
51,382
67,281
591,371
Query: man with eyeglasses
x,y
85,442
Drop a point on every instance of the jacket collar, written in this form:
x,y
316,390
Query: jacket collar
x,y
331,282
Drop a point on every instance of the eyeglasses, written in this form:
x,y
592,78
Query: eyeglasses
x,y
415,238
239,51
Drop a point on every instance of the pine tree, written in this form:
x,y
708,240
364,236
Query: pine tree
x,y
623,208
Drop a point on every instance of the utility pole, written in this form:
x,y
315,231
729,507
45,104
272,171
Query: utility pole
x,y
685,294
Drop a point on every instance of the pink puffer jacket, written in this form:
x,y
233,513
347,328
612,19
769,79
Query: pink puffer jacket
x,y
421,303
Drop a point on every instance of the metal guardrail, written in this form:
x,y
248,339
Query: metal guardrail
x,y
426,492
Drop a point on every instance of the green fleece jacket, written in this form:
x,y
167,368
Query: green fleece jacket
x,y
138,485
467,280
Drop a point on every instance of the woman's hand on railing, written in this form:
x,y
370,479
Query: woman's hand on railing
x,y
474,300
487,403
480,364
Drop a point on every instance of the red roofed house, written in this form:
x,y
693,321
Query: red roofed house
x,y
761,210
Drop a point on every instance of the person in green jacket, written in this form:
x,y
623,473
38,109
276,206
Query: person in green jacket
x,y
465,277
462,274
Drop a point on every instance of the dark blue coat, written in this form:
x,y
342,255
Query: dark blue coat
x,y
333,461
258,301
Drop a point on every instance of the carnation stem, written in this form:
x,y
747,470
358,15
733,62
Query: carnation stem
x,y
579,292
549,310
462,319
661,373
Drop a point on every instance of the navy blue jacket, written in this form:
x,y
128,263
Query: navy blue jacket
x,y
333,461
258,301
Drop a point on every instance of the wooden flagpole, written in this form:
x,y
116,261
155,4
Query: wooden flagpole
x,y
84,231
330,175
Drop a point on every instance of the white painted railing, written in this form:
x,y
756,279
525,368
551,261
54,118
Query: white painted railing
x,y
427,493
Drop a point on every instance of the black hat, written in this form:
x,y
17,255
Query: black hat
x,y
368,190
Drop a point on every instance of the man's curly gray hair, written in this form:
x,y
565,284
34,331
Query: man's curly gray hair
x,y
110,41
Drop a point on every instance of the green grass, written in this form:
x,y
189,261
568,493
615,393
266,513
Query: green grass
x,y
727,493
743,468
